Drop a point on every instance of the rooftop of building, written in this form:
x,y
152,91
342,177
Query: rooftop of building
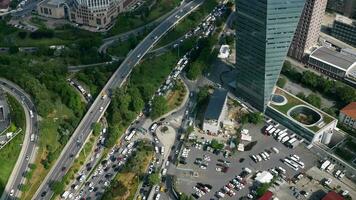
x,y
334,58
332,195
216,104
350,110
292,102
266,196
264,177
52,3
345,20
4,4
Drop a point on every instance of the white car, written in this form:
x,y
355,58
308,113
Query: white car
x,y
12,192
101,109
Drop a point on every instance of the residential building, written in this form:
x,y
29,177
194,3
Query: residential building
x,y
344,7
4,5
266,29
308,29
344,29
216,111
333,63
347,115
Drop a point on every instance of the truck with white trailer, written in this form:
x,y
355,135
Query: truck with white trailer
x,y
279,138
325,164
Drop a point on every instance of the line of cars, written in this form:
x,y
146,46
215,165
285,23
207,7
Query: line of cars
x,y
260,157
294,162
201,189
85,93
290,140
230,189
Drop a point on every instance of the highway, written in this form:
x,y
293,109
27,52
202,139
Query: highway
x,y
28,147
101,103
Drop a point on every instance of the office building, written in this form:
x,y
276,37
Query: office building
x,y
216,111
344,29
347,115
344,7
312,124
333,63
266,29
93,13
57,9
308,29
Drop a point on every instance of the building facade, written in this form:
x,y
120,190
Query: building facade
x,y
52,9
266,29
333,63
216,111
347,115
4,5
344,29
308,29
344,7
93,13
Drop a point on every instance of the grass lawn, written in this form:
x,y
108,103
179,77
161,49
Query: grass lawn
x,y
47,142
131,179
10,153
175,97
188,23
294,101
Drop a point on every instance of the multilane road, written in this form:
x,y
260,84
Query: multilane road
x,y
101,103
28,147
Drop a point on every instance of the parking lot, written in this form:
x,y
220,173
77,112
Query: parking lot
x,y
189,174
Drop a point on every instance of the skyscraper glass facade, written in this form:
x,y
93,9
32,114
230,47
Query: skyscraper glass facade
x,y
265,29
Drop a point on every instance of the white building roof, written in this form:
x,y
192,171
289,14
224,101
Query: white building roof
x,y
224,51
264,177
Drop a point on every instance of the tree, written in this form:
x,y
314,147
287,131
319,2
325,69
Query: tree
x,y
281,82
216,145
57,187
13,50
255,118
96,128
190,129
154,179
194,70
262,189
159,107
185,197
314,100
22,34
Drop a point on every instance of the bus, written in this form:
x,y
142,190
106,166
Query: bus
x,y
281,170
268,128
153,127
291,141
276,132
130,136
270,132
281,136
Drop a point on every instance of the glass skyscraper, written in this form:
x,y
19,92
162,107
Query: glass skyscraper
x,y
265,29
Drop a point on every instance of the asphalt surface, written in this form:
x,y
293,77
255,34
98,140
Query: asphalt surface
x,y
100,104
28,147
219,179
